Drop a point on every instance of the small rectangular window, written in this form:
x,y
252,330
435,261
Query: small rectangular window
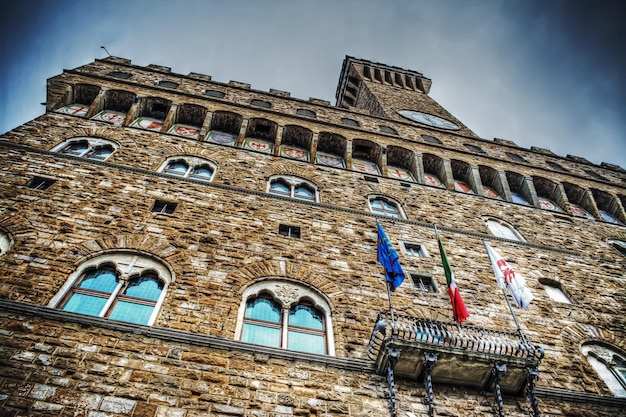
x,y
414,249
290,231
370,179
424,283
163,207
40,183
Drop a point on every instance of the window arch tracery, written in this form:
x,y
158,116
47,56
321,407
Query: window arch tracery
x,y
98,149
500,228
189,167
384,206
286,314
609,364
293,187
124,286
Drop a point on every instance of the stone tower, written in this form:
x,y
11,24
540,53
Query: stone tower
x,y
171,245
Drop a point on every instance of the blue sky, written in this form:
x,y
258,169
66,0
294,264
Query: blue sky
x,y
540,73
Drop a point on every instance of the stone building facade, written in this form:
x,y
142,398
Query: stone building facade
x,y
173,246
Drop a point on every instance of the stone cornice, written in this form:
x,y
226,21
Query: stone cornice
x,y
180,336
220,343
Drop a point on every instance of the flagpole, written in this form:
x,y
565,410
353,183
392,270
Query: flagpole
x,y
390,307
508,303
453,300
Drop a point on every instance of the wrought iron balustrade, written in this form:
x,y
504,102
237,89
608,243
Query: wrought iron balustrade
x,y
436,333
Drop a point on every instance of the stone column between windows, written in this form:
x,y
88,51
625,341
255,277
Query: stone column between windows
x,y
383,161
475,181
620,209
278,139
595,212
97,104
204,129
242,133
417,165
313,149
285,328
562,198
528,181
348,155
132,112
169,119
504,184
446,175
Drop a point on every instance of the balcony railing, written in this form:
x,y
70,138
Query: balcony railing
x,y
438,334
436,352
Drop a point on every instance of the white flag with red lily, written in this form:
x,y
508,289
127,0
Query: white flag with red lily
x,y
507,275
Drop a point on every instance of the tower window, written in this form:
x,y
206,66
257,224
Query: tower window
x,y
121,75
189,167
474,148
89,148
167,84
431,139
620,245
387,129
499,228
556,166
261,103
555,291
414,249
349,122
163,207
293,187
213,93
306,113
383,207
40,183
289,231
423,283
595,175
515,157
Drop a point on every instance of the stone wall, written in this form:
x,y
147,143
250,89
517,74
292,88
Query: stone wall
x,y
223,237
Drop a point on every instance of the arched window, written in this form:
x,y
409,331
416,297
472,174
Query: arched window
x,y
286,314
122,286
610,365
5,242
385,207
620,245
554,289
501,229
189,167
97,149
293,187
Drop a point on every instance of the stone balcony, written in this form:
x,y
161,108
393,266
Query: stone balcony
x,y
465,356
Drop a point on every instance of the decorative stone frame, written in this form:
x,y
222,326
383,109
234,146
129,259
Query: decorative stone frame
x,y
604,359
502,223
93,144
192,162
287,293
293,182
128,265
388,200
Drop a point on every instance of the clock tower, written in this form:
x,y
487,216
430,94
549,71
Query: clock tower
x,y
393,93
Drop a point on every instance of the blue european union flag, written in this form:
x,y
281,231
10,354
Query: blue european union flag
x,y
388,258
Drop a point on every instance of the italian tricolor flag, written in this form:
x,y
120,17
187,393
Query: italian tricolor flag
x,y
459,311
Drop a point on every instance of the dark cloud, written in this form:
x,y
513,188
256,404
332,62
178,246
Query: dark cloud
x,y
540,73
